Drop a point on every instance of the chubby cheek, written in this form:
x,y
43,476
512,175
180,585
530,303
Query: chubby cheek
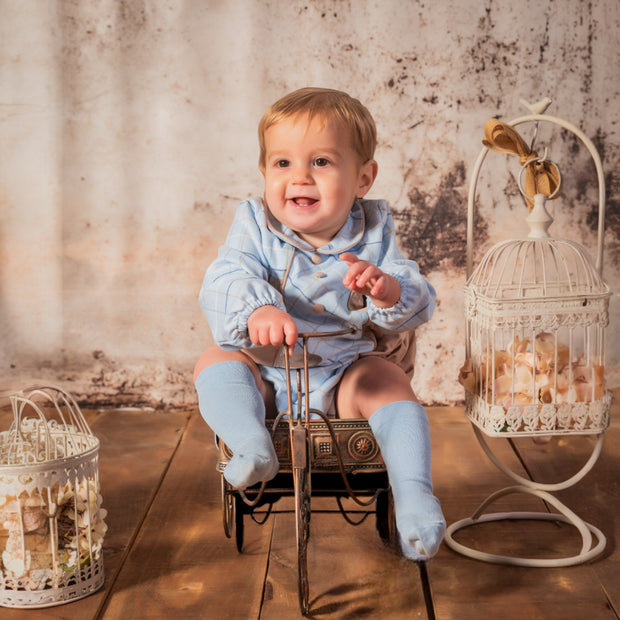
x,y
274,192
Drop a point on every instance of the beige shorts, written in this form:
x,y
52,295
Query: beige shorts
x,y
398,348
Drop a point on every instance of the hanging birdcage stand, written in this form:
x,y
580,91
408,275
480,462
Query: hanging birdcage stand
x,y
588,551
534,415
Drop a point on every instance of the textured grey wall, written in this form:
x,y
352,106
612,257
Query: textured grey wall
x,y
128,133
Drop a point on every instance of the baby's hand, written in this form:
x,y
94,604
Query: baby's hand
x,y
365,278
270,325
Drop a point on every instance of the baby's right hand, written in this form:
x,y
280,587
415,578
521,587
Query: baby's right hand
x,y
270,325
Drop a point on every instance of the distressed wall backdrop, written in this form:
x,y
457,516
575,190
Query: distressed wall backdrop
x,y
128,136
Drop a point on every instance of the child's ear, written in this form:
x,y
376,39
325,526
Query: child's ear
x,y
367,176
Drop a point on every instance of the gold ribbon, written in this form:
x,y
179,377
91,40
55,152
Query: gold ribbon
x,y
541,177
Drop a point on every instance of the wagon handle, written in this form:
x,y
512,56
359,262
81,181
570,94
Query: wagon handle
x,y
304,337
296,423
599,172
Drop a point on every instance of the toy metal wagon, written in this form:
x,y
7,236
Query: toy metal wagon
x,y
319,457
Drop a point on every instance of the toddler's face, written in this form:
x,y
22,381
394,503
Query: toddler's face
x,y
312,176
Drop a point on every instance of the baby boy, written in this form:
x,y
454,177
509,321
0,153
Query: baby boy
x,y
314,255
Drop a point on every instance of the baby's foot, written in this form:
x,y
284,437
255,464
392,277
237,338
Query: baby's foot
x,y
247,468
421,532
422,543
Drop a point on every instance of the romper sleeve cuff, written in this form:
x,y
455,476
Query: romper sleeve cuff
x,y
253,304
415,306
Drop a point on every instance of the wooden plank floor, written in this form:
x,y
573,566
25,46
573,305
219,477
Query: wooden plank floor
x,y
166,554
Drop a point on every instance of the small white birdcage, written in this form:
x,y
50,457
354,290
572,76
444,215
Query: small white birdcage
x,y
51,520
537,311
536,314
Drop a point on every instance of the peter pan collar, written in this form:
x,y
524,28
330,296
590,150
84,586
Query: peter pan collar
x,y
348,236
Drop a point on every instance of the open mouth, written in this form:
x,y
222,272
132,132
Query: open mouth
x,y
302,201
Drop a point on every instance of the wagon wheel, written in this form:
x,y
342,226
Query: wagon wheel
x,y
228,507
385,519
301,483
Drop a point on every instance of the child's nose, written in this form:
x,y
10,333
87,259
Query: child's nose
x,y
301,174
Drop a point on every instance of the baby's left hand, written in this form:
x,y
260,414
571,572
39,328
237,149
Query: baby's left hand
x,y
367,279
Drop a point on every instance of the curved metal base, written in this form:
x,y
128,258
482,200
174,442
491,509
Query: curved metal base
x,y
565,515
532,484
540,490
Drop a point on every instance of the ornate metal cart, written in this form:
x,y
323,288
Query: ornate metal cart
x,y
319,457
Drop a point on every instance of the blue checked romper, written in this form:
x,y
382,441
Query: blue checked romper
x,y
265,263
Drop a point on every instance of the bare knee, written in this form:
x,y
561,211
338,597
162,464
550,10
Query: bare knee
x,y
215,354
369,384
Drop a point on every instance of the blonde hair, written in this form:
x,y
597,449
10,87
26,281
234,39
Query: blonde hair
x,y
326,103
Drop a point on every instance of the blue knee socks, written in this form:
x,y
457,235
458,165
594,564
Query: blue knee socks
x,y
402,432
232,406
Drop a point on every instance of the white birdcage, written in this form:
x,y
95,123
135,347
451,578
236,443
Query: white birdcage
x,y
536,313
51,520
537,310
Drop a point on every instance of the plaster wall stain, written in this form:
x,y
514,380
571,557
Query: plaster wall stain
x,y
433,230
612,219
158,145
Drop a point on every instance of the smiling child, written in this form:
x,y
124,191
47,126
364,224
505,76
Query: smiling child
x,y
313,254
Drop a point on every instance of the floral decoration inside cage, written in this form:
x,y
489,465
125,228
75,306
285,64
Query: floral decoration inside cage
x,y
51,517
536,315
